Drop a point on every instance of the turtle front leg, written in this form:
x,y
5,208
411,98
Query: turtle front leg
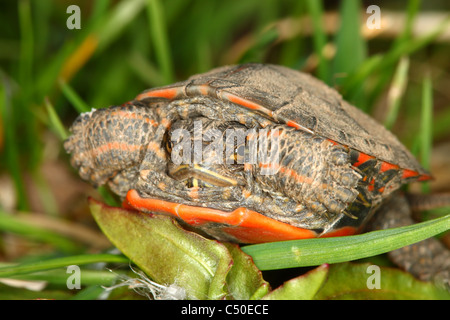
x,y
426,260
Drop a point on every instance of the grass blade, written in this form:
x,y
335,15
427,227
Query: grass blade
x,y
48,264
312,252
426,128
59,277
412,10
12,224
349,42
116,22
73,97
26,46
11,143
396,92
158,31
378,63
23,108
55,122
315,9
81,55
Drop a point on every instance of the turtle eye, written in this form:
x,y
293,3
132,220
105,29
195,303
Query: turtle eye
x,y
168,144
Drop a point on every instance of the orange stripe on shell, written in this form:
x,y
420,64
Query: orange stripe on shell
x,y
168,93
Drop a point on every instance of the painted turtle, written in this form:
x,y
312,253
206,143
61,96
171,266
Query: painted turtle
x,y
248,153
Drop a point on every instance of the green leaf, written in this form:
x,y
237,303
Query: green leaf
x,y
205,269
165,252
358,281
312,252
304,287
244,280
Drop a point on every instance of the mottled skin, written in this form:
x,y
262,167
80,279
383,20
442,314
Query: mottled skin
x,y
336,164
108,145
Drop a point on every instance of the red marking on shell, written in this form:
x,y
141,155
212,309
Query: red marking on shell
x,y
168,93
362,157
246,103
420,177
425,177
297,126
333,142
409,173
385,166
371,185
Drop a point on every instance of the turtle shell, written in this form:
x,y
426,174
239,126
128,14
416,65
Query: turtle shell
x,y
328,182
299,100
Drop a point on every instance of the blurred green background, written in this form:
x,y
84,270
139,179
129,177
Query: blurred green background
x,y
399,73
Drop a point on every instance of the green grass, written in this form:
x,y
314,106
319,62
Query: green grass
x,y
313,252
49,74
426,124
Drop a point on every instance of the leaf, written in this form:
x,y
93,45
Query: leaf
x,y
304,287
244,280
205,269
353,281
165,252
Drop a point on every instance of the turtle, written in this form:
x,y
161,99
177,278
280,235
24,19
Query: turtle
x,y
246,153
